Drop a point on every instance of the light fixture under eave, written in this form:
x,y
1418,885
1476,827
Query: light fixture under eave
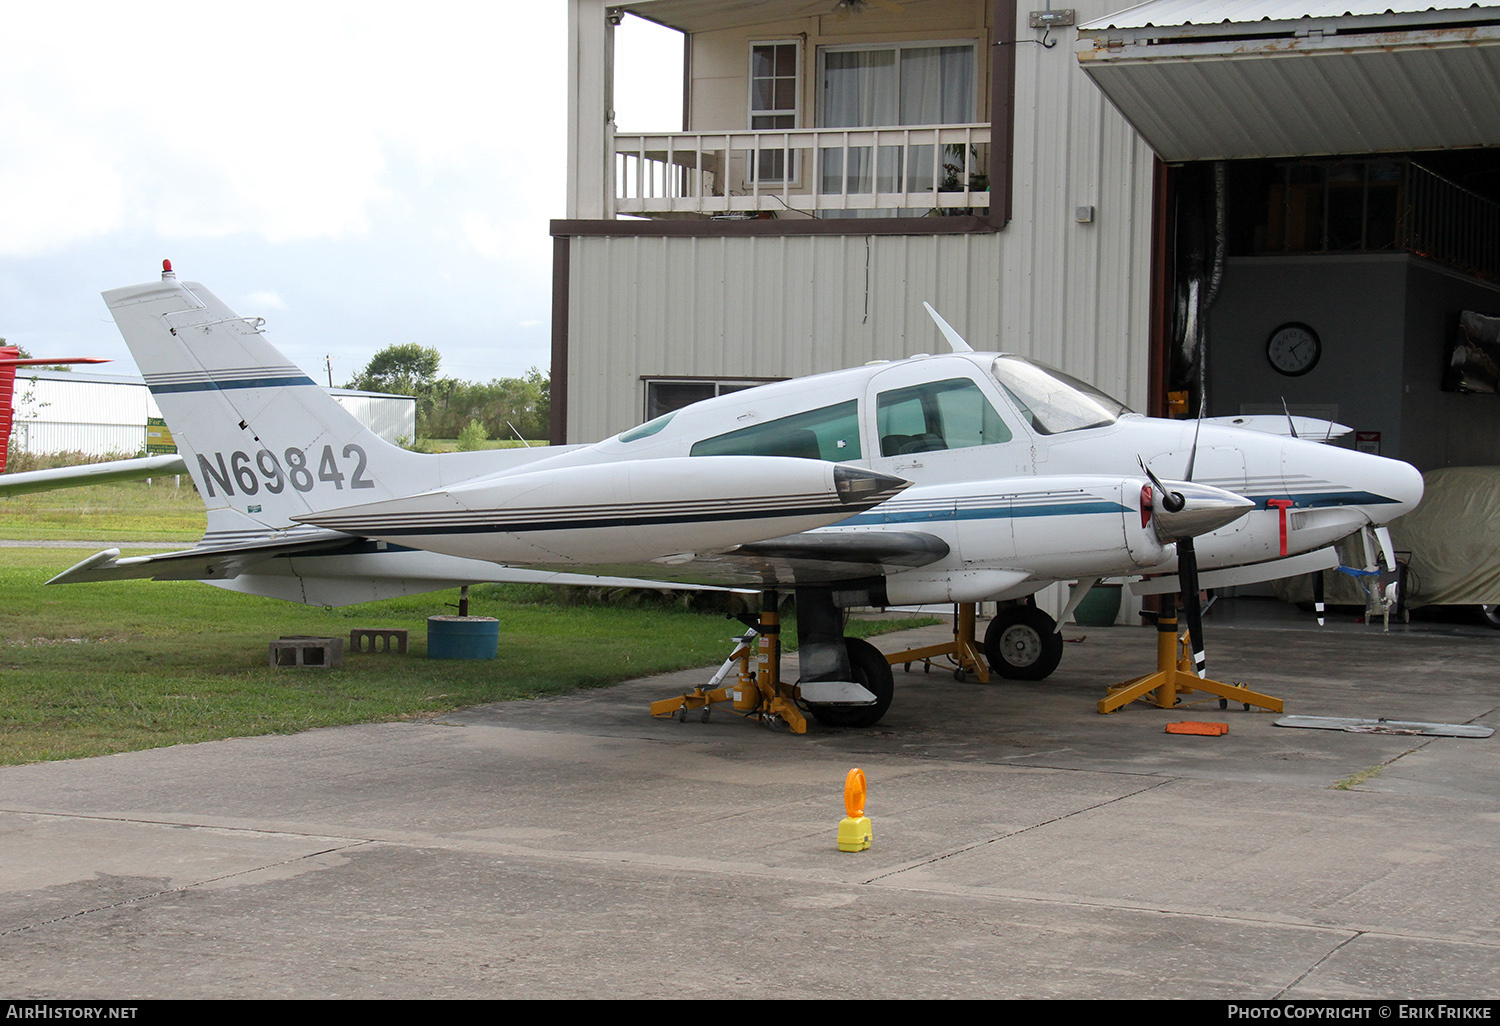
x,y
847,8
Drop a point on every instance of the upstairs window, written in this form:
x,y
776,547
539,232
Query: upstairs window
x,y
773,103
907,84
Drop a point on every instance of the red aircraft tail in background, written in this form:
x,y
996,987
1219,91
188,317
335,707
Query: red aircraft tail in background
x,y
10,359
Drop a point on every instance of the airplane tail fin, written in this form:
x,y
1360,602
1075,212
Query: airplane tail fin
x,y
262,441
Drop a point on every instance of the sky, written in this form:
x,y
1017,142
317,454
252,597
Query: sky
x,y
360,174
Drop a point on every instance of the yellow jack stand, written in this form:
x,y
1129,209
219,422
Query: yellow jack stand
x,y
963,650
1175,676
758,692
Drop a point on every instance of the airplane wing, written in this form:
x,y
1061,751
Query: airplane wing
x,y
1252,573
323,562
811,558
1311,428
90,474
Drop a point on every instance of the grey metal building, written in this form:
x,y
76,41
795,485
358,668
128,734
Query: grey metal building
x,y
1145,198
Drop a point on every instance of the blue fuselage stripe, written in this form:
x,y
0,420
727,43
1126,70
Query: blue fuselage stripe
x,y
1069,509
211,386
1308,500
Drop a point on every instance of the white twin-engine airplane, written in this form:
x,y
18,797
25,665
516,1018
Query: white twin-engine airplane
x,y
954,478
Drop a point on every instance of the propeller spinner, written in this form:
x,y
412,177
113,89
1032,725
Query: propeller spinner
x,y
1181,512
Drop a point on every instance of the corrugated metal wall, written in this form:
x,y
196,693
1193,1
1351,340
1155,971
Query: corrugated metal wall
x,y
99,414
392,417
1072,294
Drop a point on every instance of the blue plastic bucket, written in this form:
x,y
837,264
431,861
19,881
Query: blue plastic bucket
x,y
463,637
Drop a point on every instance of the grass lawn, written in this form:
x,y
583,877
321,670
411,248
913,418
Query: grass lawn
x,y
124,511
167,509
92,669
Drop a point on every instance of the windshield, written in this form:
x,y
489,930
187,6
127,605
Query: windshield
x,y
1053,401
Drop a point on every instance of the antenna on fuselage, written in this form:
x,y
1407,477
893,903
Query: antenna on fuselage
x,y
954,338
1290,423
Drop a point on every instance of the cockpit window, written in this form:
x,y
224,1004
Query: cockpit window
x,y
951,414
1052,401
647,429
831,433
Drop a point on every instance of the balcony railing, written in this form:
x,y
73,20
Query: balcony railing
x,y
1378,205
1446,222
917,169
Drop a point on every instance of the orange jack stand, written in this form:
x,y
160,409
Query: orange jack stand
x,y
965,653
758,692
1174,676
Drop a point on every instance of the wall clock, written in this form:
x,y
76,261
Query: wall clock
x,y
1294,349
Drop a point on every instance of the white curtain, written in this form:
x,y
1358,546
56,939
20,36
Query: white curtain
x,y
918,85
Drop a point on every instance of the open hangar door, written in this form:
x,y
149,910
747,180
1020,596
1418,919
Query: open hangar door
x,y
1335,286
1328,206
1332,167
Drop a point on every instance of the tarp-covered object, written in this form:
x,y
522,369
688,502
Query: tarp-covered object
x,y
1454,538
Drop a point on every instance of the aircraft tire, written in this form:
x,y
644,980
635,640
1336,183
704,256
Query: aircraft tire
x,y
1489,616
1022,643
871,672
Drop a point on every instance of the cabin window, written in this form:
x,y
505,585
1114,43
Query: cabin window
x,y
951,414
647,429
831,433
773,103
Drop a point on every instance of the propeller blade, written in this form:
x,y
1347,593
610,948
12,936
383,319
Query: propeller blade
x,y
1171,501
1318,605
1193,452
1192,606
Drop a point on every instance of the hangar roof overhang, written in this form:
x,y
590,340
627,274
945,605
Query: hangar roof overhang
x,y
1226,79
697,16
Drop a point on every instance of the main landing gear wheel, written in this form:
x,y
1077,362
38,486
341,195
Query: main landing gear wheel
x,y
1022,643
872,673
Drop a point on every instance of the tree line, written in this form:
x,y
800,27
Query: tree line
x,y
449,408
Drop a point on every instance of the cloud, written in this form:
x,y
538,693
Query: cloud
x,y
56,185
265,300
276,119
367,172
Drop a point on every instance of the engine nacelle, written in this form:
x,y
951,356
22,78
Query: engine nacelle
x,y
1057,527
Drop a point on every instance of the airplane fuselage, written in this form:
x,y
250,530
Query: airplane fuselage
x,y
1023,477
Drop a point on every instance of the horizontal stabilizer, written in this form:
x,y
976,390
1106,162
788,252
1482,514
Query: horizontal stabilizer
x,y
91,474
204,563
